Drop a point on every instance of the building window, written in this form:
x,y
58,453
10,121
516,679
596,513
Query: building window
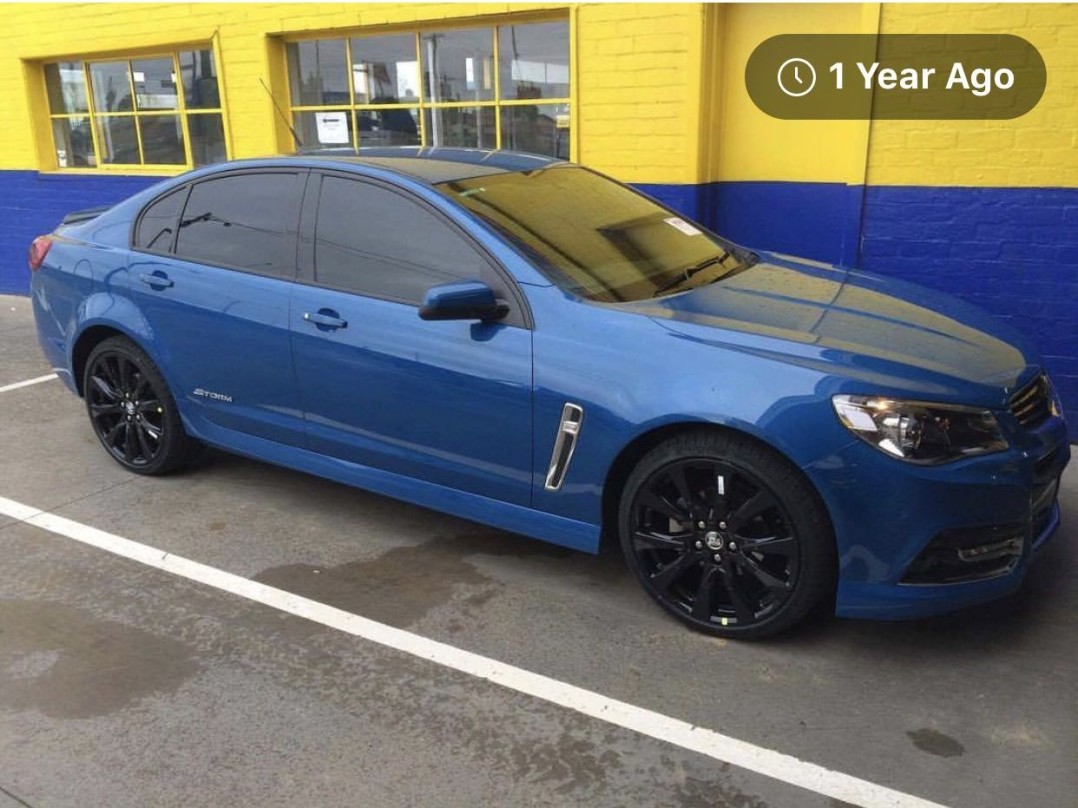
x,y
504,87
157,111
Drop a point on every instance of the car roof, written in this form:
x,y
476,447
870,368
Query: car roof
x,y
434,164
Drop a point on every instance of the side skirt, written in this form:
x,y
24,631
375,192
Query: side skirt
x,y
547,527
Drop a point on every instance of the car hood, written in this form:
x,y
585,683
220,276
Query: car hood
x,y
900,334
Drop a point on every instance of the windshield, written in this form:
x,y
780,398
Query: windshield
x,y
594,237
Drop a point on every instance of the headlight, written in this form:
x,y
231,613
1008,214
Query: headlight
x,y
920,432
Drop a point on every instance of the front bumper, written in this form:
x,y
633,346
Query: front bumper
x,y
887,512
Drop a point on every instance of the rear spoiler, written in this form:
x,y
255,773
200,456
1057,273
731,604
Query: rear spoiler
x,y
79,216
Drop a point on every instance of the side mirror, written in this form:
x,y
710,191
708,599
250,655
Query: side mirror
x,y
462,300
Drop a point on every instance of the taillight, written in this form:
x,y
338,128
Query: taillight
x,y
39,248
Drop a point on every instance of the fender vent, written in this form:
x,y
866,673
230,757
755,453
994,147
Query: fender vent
x,y
572,417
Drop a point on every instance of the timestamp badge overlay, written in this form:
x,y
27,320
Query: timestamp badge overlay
x,y
895,76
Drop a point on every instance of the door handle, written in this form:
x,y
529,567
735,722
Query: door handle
x,y
325,320
158,280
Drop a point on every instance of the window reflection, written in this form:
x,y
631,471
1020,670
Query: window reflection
x,y
533,60
468,127
388,127
385,70
537,129
459,65
198,74
317,72
66,86
112,87
155,84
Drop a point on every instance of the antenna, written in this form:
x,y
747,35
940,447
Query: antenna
x,y
288,123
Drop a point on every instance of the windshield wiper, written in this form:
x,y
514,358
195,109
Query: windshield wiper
x,y
689,272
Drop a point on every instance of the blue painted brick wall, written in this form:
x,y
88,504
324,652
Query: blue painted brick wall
x,y
33,203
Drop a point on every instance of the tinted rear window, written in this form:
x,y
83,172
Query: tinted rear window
x,y
247,221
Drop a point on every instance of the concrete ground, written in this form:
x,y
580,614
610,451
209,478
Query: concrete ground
x,y
122,685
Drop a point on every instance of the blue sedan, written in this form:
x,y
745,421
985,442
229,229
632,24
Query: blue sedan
x,y
526,343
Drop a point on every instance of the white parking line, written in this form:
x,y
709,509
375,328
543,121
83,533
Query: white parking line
x,y
704,741
28,382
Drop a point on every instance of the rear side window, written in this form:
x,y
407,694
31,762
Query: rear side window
x,y
377,242
158,223
246,221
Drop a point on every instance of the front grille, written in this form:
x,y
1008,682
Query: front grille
x,y
1032,404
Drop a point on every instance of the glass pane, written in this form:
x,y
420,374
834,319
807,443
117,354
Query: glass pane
x,y
317,73
155,83
318,130
198,74
66,86
112,89
537,129
472,127
162,139
592,236
385,70
247,221
388,127
534,60
377,242
158,222
74,142
117,140
207,138
459,65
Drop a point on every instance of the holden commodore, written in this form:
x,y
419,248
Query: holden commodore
x,y
526,343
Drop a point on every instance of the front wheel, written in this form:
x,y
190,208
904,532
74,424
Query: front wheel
x,y
132,411
726,535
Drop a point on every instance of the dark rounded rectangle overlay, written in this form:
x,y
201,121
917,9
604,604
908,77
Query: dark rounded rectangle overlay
x,y
895,76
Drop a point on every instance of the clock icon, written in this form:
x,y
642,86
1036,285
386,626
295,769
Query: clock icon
x,y
797,77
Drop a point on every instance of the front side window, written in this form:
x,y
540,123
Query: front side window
x,y
377,242
151,111
505,86
245,221
596,238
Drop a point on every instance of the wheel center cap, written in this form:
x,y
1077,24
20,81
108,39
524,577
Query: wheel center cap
x,y
714,540
130,407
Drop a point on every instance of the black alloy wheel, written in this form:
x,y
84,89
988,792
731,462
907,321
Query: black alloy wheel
x,y
131,410
716,544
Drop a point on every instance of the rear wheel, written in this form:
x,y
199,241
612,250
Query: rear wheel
x,y
132,411
726,535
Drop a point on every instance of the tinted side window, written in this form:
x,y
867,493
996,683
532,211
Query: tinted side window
x,y
375,241
247,221
158,222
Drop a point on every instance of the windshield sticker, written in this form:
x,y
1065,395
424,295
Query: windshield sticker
x,y
682,225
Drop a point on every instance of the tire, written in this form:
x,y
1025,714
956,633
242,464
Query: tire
x,y
726,535
132,411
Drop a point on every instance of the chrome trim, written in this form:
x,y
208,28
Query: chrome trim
x,y
572,418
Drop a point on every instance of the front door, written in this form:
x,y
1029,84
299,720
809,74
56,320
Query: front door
x,y
446,402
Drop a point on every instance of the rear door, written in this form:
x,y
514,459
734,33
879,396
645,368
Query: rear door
x,y
447,402
214,266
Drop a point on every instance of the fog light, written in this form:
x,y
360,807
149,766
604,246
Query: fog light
x,y
968,554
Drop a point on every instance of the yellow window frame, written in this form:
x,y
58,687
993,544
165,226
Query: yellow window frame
x,y
422,104
135,114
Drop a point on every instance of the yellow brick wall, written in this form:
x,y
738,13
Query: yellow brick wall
x,y
636,81
1037,149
